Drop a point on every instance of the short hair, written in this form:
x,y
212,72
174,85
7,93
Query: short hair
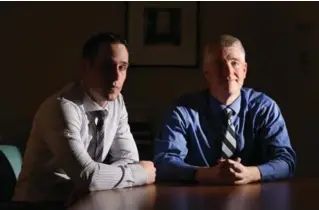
x,y
91,46
227,40
224,40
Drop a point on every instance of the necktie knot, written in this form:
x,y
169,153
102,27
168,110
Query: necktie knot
x,y
100,115
228,114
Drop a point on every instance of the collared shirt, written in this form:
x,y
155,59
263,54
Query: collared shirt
x,y
56,160
192,133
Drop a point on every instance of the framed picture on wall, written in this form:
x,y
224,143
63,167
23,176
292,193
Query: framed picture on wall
x,y
163,34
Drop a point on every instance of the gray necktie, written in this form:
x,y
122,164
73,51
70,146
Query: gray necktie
x,y
229,139
100,115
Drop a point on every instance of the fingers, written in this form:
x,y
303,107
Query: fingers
x,y
227,173
150,170
232,161
239,176
220,161
240,182
146,163
237,166
229,166
152,175
231,170
237,159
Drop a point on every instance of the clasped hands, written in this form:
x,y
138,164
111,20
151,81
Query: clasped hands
x,y
228,171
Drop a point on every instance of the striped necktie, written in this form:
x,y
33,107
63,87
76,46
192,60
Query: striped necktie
x,y
229,138
100,115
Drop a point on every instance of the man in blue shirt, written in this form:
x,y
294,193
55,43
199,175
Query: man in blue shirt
x,y
226,134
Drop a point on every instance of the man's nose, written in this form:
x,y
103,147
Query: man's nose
x,y
227,69
115,75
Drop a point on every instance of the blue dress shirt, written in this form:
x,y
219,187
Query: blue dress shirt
x,y
192,133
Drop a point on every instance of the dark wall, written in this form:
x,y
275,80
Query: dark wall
x,y
41,45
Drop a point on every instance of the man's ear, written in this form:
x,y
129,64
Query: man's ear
x,y
207,75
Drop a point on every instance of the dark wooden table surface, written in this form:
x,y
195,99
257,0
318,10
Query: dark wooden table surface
x,y
300,194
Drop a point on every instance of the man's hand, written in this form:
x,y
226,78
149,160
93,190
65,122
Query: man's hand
x,y
150,170
219,174
240,174
228,171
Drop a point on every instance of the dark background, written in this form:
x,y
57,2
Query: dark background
x,y
40,45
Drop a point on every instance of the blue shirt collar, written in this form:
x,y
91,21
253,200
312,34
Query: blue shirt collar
x,y
217,107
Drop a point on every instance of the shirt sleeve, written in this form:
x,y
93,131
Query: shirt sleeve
x,y
123,150
278,155
61,124
171,150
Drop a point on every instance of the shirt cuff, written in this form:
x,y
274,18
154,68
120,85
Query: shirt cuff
x,y
189,173
178,172
267,172
139,174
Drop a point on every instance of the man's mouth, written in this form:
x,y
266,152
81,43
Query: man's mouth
x,y
230,80
112,89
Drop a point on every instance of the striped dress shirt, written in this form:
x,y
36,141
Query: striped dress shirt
x,y
57,161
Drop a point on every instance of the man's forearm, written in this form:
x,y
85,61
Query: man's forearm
x,y
174,170
108,177
123,161
276,169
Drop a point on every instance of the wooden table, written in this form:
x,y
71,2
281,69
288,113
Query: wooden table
x,y
283,195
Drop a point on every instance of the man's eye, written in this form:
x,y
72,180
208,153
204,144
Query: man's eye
x,y
235,63
123,68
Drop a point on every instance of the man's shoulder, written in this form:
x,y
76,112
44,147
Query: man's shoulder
x,y
254,98
70,95
191,102
192,98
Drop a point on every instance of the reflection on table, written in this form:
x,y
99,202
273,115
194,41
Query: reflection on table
x,y
119,199
283,195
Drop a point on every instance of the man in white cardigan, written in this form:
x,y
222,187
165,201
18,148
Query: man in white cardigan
x,y
67,151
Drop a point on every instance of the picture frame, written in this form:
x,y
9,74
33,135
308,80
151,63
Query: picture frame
x,y
163,34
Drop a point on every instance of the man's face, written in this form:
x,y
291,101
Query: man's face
x,y
225,69
107,72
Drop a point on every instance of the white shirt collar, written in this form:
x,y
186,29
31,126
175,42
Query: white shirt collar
x,y
91,106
